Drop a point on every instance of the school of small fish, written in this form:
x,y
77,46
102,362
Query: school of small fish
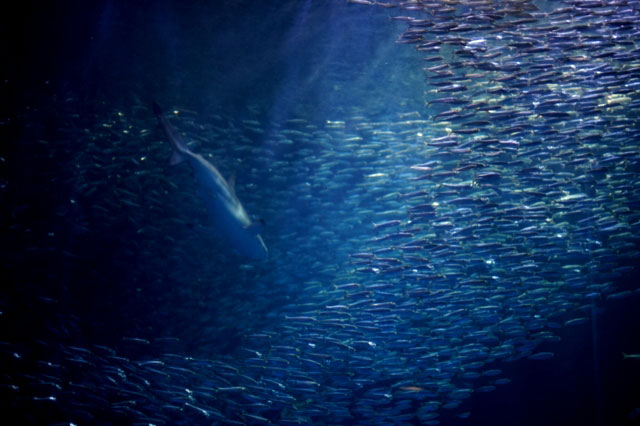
x,y
409,258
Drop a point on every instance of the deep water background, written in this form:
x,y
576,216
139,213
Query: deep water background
x,y
83,275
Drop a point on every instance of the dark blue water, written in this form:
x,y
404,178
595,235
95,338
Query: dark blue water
x,y
447,195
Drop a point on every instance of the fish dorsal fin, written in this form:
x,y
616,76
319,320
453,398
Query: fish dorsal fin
x,y
256,227
232,183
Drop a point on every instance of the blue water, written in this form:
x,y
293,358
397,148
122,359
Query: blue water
x,y
426,255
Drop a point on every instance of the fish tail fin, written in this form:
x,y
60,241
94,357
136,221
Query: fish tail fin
x,y
156,109
256,227
179,147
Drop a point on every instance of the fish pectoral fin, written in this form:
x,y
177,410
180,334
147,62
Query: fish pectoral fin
x,y
256,227
232,184
176,158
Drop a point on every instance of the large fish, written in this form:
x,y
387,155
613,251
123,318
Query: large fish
x,y
219,196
